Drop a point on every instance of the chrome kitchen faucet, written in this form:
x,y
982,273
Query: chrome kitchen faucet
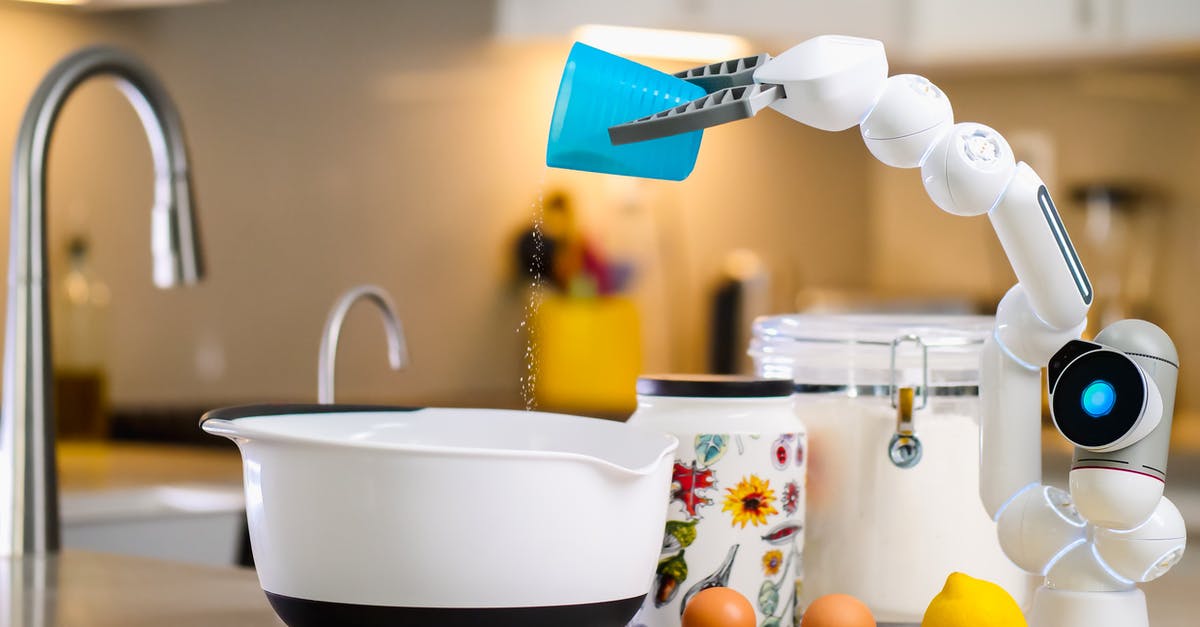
x,y
28,483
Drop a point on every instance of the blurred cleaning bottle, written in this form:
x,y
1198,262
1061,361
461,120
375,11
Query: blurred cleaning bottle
x,y
80,326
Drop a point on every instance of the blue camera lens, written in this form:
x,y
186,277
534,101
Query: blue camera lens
x,y
1098,398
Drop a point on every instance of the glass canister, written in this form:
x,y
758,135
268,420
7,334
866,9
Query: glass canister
x,y
892,408
736,508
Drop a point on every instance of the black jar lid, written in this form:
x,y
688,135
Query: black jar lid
x,y
713,386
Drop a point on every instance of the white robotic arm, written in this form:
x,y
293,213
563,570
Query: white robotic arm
x,y
1112,398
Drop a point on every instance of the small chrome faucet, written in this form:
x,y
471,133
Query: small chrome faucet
x,y
326,360
28,479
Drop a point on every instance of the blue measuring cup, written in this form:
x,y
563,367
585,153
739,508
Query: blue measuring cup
x,y
599,90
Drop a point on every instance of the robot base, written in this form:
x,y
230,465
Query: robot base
x,y
1065,608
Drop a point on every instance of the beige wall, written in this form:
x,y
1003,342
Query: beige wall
x,y
389,142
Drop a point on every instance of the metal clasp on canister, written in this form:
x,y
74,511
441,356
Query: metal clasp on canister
x,y
904,448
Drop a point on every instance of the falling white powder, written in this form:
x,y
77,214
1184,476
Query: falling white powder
x,y
536,266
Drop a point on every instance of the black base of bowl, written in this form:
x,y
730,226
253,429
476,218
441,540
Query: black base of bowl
x,y
306,613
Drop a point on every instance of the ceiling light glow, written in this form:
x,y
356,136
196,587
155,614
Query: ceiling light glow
x,y
662,44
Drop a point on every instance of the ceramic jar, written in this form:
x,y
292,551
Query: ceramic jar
x,y
736,507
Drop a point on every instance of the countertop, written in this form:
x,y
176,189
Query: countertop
x,y
76,589
95,466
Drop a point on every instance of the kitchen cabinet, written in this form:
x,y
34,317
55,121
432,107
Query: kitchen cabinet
x,y
524,19
777,23
915,31
970,30
784,24
961,31
1159,24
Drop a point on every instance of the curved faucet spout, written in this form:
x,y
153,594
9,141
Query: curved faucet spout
x,y
28,487
397,348
174,237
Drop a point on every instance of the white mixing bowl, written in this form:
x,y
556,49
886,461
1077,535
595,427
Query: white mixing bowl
x,y
378,516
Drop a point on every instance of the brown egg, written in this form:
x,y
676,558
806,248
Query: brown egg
x,y
718,607
837,610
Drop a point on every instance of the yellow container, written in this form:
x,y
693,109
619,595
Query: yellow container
x,y
589,354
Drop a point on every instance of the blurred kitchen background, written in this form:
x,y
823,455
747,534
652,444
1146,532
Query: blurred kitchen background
x,y
401,143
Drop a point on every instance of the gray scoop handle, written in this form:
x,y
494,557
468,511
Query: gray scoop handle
x,y
732,95
732,73
721,107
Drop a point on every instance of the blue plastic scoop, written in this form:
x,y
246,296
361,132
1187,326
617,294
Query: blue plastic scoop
x,y
599,90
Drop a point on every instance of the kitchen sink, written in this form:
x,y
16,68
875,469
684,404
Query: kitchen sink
x,y
200,524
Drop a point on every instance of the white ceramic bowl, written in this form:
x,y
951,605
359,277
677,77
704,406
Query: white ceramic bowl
x,y
366,516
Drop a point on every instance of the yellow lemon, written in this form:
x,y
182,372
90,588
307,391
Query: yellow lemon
x,y
968,602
